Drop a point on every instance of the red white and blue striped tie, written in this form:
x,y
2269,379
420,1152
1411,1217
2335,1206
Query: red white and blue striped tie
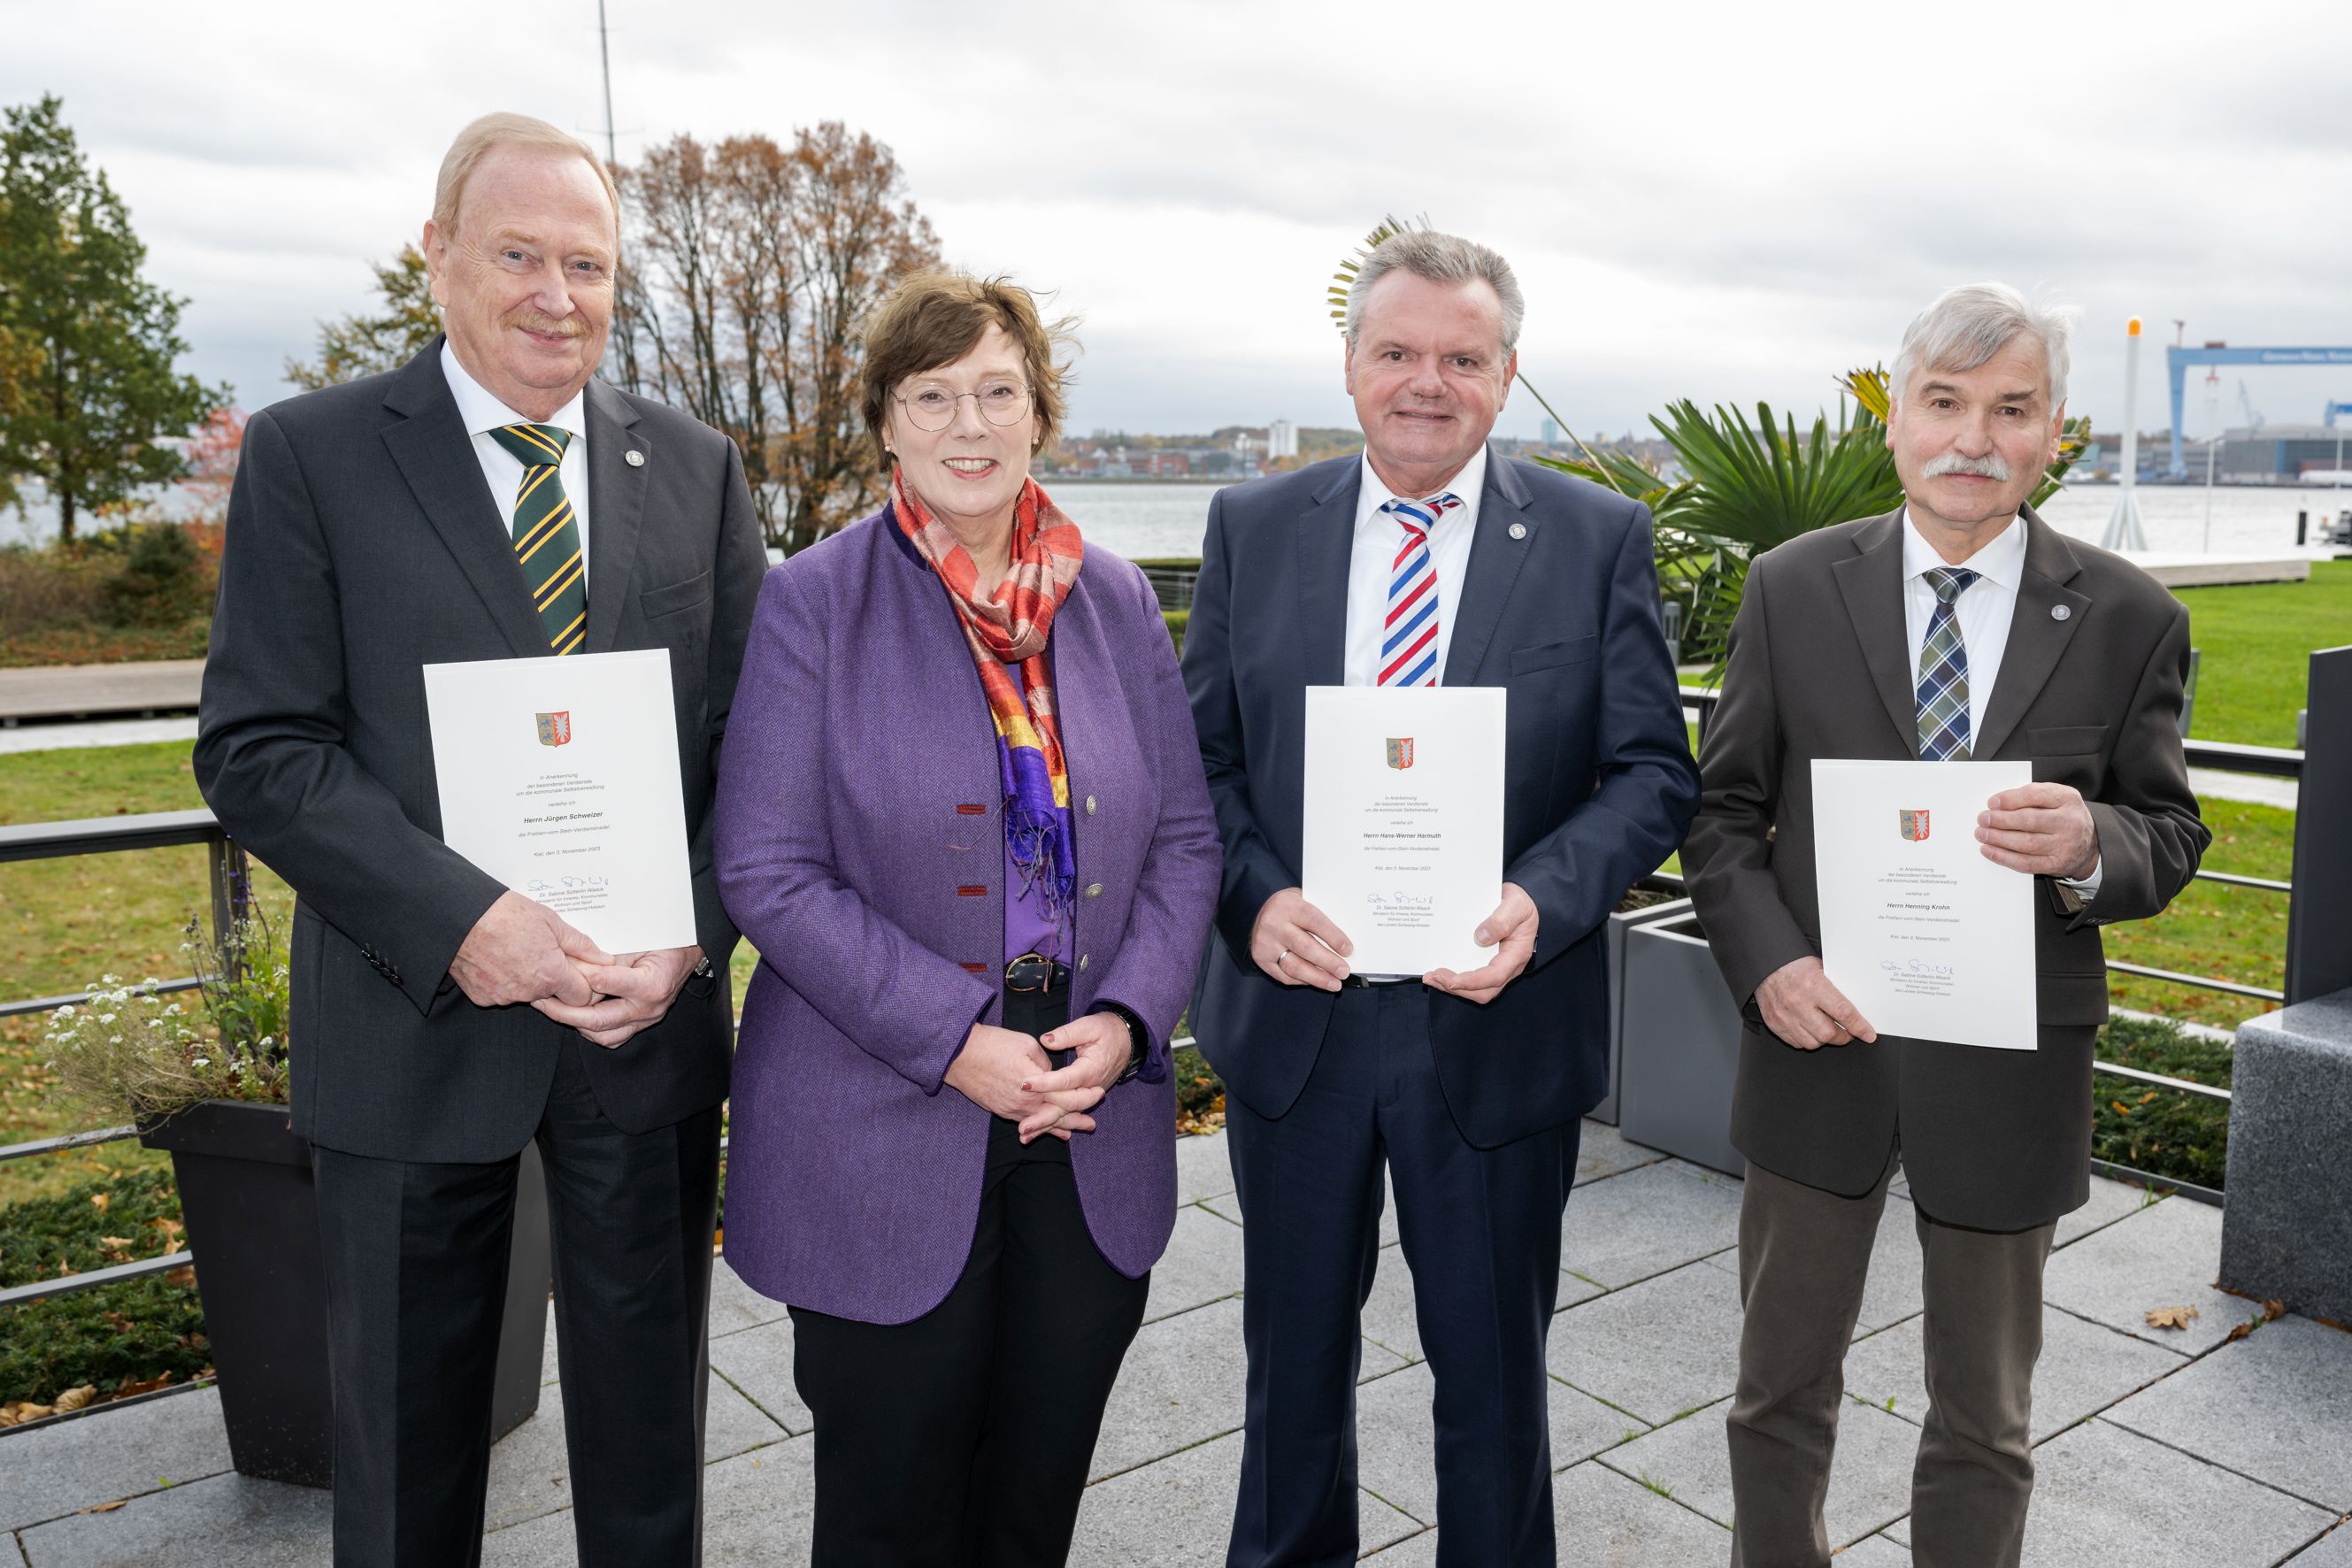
x,y
1408,641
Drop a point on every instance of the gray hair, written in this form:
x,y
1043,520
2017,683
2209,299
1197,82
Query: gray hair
x,y
1441,259
1967,325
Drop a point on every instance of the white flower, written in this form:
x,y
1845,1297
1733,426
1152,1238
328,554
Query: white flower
x,y
66,1011
106,1017
202,1062
263,1044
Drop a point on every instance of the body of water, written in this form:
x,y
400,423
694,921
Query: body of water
x,y
1140,520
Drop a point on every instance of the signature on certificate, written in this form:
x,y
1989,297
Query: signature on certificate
x,y
566,884
1915,966
1403,901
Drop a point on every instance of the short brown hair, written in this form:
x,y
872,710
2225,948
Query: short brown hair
x,y
476,141
934,317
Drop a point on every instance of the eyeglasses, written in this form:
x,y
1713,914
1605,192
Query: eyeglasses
x,y
934,407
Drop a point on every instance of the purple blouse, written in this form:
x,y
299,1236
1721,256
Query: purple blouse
x,y
1027,927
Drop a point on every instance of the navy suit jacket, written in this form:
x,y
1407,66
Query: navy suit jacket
x,y
1559,607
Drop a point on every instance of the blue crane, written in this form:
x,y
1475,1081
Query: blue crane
x,y
2177,360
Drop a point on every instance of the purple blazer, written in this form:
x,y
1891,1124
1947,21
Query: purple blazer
x,y
861,849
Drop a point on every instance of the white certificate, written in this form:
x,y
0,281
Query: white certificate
x,y
1928,938
1404,821
558,777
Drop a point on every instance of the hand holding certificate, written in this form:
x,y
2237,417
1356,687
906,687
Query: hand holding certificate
x,y
558,777
1928,937
1403,844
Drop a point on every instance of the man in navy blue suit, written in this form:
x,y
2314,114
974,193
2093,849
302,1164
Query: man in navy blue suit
x,y
1428,560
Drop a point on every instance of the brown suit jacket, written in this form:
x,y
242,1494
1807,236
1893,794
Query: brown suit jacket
x,y
1821,667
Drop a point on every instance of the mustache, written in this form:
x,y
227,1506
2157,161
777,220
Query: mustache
x,y
1990,466
553,326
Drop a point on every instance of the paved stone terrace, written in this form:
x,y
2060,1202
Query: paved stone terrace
x,y
2156,1450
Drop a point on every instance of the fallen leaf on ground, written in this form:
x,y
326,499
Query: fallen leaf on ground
x,y
103,1507
75,1398
2171,1317
2240,1332
100,1200
2273,1310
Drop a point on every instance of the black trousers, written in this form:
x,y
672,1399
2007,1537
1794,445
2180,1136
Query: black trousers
x,y
416,1277
962,1439
1481,1231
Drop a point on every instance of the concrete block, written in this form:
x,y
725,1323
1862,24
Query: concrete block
x,y
1891,1291
2333,1550
1648,1221
735,1306
531,1471
1875,1551
2289,1235
2103,1494
758,1362
1183,1384
1667,1345
1202,1264
1869,1477
223,1519
1602,1151
1203,1167
757,1510
1396,1437
53,1472
2231,1408
2109,1201
2084,1368
1229,1206
1412,1551
2162,1256
1605,1520
1178,1513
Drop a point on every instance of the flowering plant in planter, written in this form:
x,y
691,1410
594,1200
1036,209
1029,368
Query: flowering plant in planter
x,y
132,1050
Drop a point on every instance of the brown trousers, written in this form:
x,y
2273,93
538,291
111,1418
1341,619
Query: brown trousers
x,y
1804,1256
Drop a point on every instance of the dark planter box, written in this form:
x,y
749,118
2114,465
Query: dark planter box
x,y
1680,1035
1620,922
252,1214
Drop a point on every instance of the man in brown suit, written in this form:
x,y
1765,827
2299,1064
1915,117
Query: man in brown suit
x,y
1961,626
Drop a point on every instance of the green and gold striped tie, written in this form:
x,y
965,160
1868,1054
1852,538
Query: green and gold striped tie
x,y
547,534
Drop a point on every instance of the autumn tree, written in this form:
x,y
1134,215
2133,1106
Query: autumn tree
x,y
102,392
747,268
386,338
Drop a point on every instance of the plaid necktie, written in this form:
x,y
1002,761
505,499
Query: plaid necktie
x,y
1944,673
1409,638
547,534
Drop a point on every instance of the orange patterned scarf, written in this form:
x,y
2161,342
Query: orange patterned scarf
x,y
1010,627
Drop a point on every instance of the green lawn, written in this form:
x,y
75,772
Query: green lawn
x,y
2254,645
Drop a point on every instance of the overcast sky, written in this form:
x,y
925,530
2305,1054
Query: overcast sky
x,y
1728,201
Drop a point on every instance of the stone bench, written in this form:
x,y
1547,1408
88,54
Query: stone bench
x,y
2286,1233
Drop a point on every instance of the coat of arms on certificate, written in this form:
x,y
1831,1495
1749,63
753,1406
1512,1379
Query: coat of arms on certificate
x,y
555,729
1914,825
1400,753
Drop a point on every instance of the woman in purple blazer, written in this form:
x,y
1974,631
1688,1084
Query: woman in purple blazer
x,y
961,815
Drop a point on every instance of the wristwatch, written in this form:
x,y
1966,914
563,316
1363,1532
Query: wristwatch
x,y
1139,1040
702,977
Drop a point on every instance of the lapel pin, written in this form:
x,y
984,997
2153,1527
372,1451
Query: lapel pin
x,y
1518,530
2057,612
634,458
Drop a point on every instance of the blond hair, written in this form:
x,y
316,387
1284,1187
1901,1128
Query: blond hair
x,y
491,132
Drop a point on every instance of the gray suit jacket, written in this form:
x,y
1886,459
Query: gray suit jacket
x,y
1821,667
363,545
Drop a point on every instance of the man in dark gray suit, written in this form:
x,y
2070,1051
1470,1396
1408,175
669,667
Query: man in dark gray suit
x,y
1961,626
490,500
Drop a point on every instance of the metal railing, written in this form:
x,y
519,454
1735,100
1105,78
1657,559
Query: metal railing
x,y
227,873
2222,756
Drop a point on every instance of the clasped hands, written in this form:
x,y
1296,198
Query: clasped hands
x,y
1007,1073
1298,944
522,951
2042,830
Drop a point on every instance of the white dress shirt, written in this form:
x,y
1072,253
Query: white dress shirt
x,y
1984,610
1372,564
501,470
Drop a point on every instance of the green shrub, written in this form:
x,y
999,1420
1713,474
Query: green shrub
x,y
2166,1133
1176,620
161,581
1199,1092
130,1333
